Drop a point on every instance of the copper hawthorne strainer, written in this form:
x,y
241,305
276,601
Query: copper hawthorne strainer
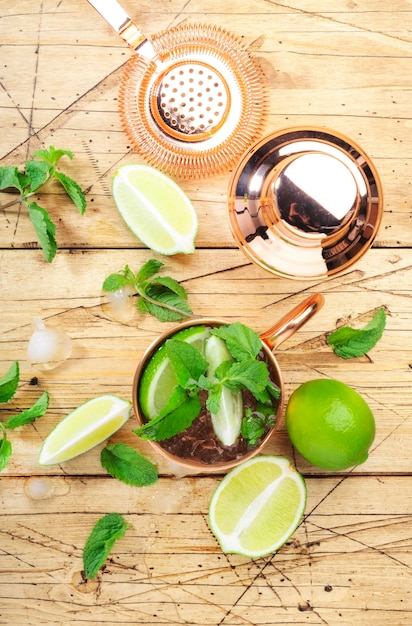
x,y
192,99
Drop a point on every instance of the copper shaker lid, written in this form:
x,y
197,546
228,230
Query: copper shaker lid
x,y
305,203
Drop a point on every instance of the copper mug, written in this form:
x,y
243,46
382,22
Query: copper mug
x,y
271,339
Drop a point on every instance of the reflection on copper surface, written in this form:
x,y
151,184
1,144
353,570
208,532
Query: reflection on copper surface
x,y
305,203
315,192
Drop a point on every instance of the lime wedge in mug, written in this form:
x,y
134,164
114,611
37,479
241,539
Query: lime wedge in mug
x,y
159,379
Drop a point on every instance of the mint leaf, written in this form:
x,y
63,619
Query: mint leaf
x,y
117,280
38,173
254,426
242,342
114,282
167,309
45,230
163,298
52,156
206,383
176,417
187,362
128,465
273,390
177,398
349,342
148,269
100,542
5,449
223,369
251,374
10,178
167,284
29,415
9,382
213,398
73,190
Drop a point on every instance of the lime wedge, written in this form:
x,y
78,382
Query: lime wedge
x,y
155,209
85,427
227,421
159,379
257,506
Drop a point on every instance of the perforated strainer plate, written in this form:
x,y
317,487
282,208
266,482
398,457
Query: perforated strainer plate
x,y
195,107
190,101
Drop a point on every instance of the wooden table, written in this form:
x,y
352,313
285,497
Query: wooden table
x,y
344,65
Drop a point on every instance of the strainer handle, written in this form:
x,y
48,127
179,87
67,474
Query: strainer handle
x,y
292,321
116,16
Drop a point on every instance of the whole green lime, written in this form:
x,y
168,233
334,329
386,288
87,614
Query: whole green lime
x,y
330,424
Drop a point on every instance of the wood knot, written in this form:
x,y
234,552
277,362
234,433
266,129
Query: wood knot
x,y
83,585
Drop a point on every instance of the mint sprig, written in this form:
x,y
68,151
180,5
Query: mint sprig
x,y
8,387
105,533
349,342
160,296
36,174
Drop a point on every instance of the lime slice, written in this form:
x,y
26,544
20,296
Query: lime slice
x,y
257,506
155,209
227,421
85,427
159,379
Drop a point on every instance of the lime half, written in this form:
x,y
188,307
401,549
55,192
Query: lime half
x,y
257,506
155,209
85,427
159,379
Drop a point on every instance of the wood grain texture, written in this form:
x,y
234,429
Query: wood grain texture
x,y
343,65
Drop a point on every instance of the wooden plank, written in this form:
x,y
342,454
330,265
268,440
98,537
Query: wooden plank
x,y
169,569
101,226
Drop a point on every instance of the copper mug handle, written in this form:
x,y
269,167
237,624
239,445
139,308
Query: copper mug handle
x,y
292,321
